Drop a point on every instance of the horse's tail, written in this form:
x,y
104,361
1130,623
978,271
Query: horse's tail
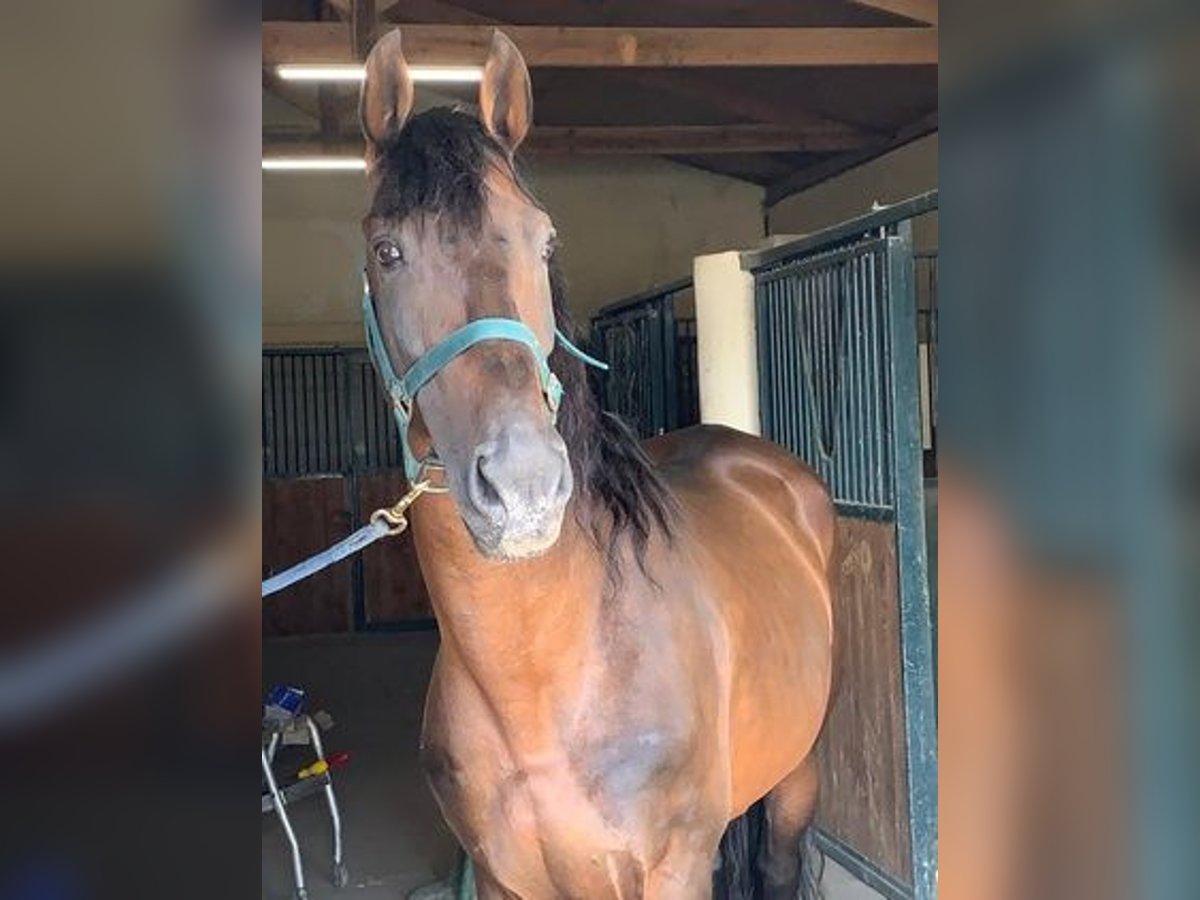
x,y
736,872
812,865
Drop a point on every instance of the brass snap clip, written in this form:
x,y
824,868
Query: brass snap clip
x,y
395,516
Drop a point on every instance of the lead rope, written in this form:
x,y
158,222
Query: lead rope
x,y
384,522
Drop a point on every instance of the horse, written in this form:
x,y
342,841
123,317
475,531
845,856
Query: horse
x,y
637,651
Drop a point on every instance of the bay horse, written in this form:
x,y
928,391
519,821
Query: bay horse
x,y
636,640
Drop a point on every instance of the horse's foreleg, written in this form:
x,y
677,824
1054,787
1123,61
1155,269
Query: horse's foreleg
x,y
790,807
685,872
487,888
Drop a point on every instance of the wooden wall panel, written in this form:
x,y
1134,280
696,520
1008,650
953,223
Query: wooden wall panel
x,y
393,589
302,516
864,798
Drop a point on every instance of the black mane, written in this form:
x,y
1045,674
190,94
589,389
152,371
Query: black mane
x,y
436,165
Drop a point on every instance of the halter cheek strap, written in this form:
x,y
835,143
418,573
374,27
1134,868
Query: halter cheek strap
x,y
403,389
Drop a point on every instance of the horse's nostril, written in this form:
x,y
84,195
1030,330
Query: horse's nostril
x,y
483,492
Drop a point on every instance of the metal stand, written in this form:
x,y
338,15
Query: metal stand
x,y
278,799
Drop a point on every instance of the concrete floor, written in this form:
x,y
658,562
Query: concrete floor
x,y
395,840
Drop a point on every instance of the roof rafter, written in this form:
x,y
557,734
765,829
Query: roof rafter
x,y
552,140
822,171
330,42
922,11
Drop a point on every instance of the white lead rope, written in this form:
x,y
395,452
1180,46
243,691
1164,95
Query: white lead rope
x,y
384,522
359,540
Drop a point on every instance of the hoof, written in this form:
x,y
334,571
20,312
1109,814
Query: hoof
x,y
441,890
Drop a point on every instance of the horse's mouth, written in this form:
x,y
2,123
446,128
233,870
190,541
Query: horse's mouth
x,y
524,538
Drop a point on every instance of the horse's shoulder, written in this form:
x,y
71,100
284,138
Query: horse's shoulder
x,y
718,448
716,461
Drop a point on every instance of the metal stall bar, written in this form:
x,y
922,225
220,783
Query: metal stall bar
x,y
916,642
820,321
649,342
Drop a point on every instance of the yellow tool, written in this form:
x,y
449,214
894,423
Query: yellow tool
x,y
320,767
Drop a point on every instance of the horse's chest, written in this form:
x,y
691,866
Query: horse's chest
x,y
575,824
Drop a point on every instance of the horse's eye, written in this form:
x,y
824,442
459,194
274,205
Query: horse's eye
x,y
387,254
550,246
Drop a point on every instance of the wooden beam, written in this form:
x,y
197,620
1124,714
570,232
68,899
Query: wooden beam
x,y
552,140
733,101
822,171
688,139
380,8
434,11
306,42
300,100
327,94
923,11
330,42
362,27
328,104
719,165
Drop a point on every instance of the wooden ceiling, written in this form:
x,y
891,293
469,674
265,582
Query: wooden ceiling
x,y
782,93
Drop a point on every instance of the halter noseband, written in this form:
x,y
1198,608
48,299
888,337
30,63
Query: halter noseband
x,y
403,389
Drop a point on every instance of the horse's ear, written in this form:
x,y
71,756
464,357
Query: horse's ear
x,y
387,91
505,96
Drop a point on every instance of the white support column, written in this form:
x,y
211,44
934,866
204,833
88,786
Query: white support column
x,y
727,354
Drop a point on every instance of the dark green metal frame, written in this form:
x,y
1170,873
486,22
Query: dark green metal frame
x,y
639,338
898,495
916,621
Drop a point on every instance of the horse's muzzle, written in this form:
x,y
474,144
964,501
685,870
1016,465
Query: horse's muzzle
x,y
516,491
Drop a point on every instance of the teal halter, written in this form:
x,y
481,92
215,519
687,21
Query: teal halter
x,y
403,389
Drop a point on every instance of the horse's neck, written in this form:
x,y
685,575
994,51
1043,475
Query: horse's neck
x,y
520,629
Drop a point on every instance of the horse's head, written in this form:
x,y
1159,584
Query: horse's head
x,y
452,238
